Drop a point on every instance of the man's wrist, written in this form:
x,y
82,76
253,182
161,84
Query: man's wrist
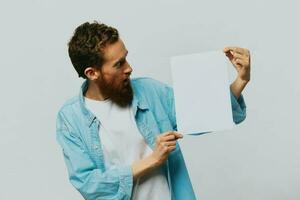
x,y
242,82
153,162
238,86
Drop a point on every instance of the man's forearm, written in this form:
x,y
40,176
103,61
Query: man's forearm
x,y
141,167
237,87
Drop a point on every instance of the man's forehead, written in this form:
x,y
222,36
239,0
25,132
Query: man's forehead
x,y
115,51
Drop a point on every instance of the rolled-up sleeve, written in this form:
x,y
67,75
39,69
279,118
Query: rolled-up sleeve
x,y
90,181
238,108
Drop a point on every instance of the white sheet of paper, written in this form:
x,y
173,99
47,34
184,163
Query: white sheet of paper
x,y
202,92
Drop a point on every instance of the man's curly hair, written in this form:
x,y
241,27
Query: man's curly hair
x,y
87,43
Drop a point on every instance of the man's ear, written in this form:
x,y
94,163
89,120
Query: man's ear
x,y
92,73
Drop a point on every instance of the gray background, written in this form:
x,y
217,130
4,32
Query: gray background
x,y
258,160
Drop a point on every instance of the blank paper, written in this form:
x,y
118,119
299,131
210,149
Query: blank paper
x,y
202,92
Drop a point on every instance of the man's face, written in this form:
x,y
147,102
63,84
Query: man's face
x,y
114,74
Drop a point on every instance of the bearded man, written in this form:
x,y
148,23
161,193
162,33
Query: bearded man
x,y
118,135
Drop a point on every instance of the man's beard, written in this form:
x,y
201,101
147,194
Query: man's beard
x,y
119,92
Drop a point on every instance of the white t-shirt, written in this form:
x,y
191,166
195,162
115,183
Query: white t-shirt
x,y
122,144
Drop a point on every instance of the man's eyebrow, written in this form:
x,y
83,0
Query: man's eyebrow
x,y
122,58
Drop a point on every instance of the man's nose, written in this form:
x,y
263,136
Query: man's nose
x,y
128,69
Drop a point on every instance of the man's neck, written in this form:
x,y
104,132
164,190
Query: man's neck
x,y
93,92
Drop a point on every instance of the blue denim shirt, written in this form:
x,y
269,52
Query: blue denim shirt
x,y
77,132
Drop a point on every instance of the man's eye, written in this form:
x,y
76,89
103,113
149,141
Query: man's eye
x,y
120,63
